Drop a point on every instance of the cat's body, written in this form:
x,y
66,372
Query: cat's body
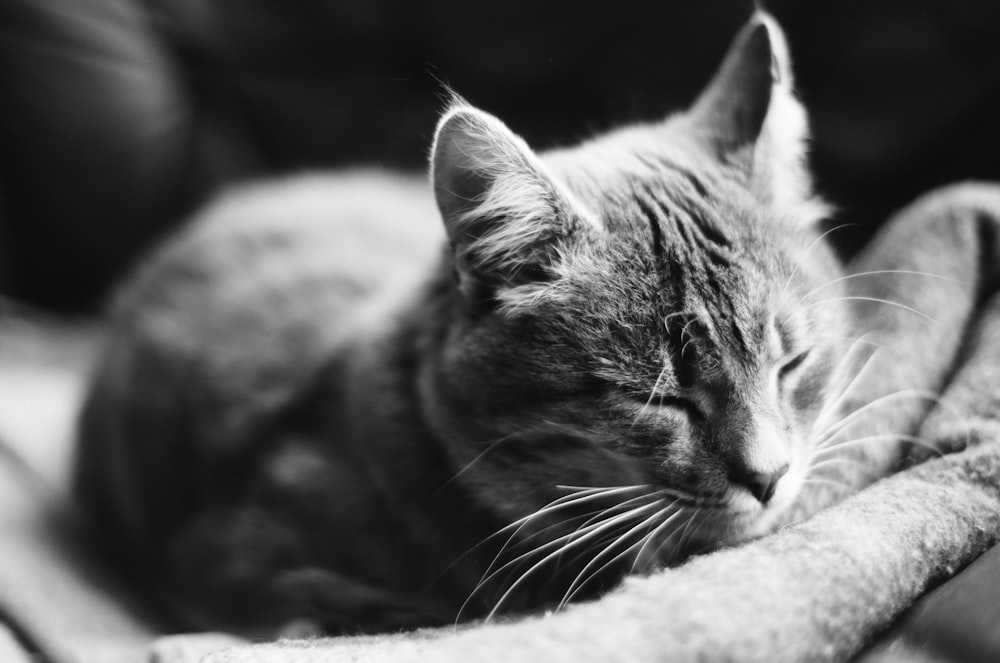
x,y
315,409
276,429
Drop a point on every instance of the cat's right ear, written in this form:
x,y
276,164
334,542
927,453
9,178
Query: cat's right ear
x,y
750,117
503,213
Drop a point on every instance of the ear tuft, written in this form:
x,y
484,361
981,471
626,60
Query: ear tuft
x,y
502,211
481,169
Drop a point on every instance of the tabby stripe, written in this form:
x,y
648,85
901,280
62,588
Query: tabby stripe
x,y
738,335
693,245
698,242
693,180
712,284
725,308
711,232
652,218
683,348
708,230
698,186
653,208
676,280
718,260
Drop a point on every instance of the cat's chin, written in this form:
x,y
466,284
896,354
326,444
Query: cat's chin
x,y
764,520
744,520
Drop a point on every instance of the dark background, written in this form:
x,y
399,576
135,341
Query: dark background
x,y
118,117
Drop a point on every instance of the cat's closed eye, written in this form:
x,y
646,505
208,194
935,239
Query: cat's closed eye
x,y
686,406
790,365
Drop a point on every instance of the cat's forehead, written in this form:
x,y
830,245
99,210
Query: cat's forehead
x,y
630,176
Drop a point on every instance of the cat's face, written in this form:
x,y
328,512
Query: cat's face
x,y
649,309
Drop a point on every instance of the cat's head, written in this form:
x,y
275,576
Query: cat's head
x,y
651,307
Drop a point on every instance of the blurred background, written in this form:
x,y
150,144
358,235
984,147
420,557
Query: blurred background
x,y
119,117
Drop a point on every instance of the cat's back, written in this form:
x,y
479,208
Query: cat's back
x,y
340,236
225,323
266,282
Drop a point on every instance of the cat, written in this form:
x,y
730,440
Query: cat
x,y
323,403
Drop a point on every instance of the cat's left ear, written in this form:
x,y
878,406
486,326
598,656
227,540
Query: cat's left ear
x,y
749,115
505,215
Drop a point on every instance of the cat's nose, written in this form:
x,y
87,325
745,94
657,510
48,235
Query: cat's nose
x,y
760,484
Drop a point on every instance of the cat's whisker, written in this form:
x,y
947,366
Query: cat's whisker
x,y
857,339
833,405
585,575
601,523
518,525
700,516
652,394
649,497
652,536
834,461
579,495
558,504
676,314
828,482
822,438
875,300
493,445
876,272
631,486
786,288
597,572
530,540
582,495
679,527
687,343
870,439
493,571
596,516
594,531
593,523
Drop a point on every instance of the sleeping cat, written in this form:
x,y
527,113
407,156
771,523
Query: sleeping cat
x,y
315,405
